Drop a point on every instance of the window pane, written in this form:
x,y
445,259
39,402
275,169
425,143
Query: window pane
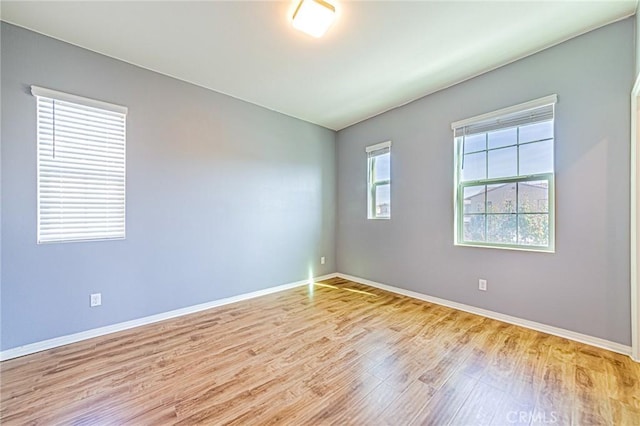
x,y
501,198
533,229
473,143
533,197
501,228
536,158
475,166
474,227
382,167
503,138
503,162
383,201
536,132
474,199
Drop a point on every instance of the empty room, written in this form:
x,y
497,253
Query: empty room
x,y
319,212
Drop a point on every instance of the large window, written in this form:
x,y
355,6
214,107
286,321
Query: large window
x,y
379,181
505,177
81,168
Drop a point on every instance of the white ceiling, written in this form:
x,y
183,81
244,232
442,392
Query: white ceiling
x,y
378,55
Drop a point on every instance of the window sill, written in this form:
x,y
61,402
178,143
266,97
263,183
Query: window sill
x,y
550,250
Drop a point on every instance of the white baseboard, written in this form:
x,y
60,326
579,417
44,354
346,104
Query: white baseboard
x,y
101,331
556,331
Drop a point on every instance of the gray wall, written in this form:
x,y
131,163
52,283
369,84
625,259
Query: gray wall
x,y
584,286
223,197
637,39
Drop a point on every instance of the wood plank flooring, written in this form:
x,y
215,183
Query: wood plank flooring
x,y
337,353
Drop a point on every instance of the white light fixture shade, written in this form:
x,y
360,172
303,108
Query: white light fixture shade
x,y
314,17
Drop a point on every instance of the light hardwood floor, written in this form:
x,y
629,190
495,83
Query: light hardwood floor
x,y
340,353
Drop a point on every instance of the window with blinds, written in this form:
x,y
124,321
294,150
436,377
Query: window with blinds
x,y
81,168
379,181
505,177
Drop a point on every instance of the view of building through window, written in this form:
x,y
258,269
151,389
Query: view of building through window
x,y
505,180
490,213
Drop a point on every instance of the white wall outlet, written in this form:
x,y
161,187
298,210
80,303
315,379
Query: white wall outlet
x,y
482,285
96,299
322,260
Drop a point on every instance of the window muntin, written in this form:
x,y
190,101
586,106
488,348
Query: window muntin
x,y
513,212
505,178
379,181
81,168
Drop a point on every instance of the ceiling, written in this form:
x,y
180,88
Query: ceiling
x,y
377,56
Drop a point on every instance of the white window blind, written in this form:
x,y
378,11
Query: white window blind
x,y
81,168
532,112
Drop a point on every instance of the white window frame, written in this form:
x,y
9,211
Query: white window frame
x,y
81,194
374,151
510,117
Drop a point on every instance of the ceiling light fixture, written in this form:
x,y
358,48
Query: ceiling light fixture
x,y
314,17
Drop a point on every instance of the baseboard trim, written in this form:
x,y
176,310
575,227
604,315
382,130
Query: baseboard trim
x,y
114,328
556,331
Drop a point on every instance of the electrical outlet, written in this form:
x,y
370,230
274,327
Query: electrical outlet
x,y
96,299
322,260
482,285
